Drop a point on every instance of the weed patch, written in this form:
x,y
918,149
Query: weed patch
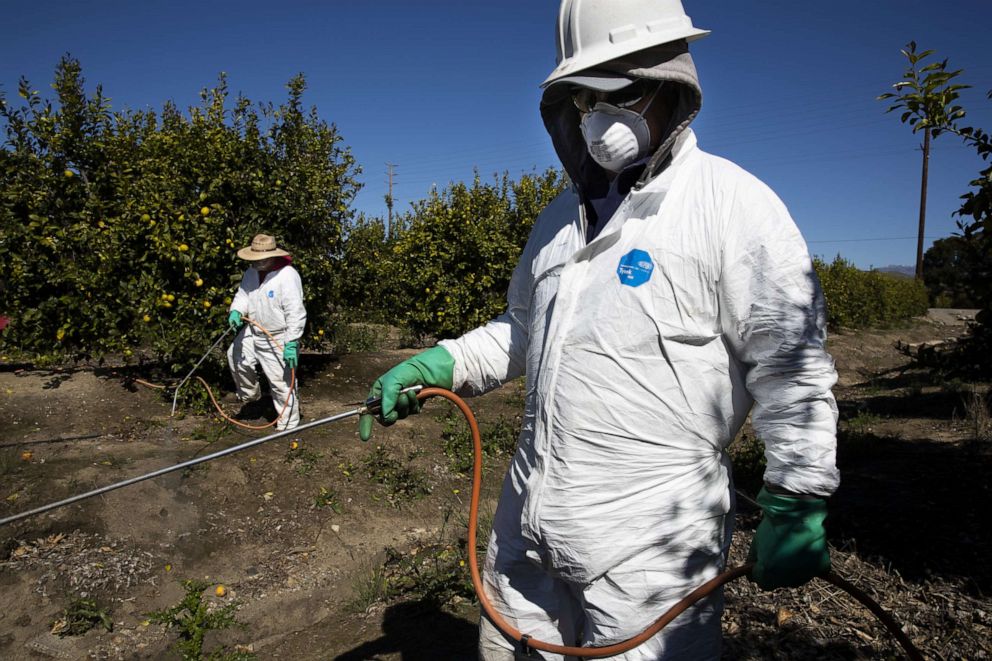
x,y
747,453
305,460
978,415
435,571
368,588
498,439
328,498
80,616
402,482
194,617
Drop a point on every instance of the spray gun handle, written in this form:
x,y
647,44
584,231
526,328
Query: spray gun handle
x,y
373,404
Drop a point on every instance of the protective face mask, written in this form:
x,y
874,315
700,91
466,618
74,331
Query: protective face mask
x,y
616,137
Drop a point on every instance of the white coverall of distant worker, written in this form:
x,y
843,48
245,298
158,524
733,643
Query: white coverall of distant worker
x,y
662,297
271,294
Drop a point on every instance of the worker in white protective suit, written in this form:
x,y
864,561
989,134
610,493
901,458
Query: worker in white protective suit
x,y
662,297
271,294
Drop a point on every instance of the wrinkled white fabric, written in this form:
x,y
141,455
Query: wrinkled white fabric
x,y
644,352
277,304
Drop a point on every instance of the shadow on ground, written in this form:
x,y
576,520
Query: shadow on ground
x,y
921,506
419,631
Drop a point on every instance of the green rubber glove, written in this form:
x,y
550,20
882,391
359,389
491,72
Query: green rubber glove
x,y
790,545
289,354
234,320
434,367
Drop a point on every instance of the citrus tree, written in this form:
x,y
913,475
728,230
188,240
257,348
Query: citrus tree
x,y
452,260
119,229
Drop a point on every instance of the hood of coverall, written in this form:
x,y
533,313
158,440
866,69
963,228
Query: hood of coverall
x,y
666,62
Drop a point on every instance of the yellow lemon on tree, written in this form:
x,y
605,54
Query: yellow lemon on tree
x,y
69,173
60,334
170,297
320,332
199,282
207,304
145,217
205,211
146,318
183,247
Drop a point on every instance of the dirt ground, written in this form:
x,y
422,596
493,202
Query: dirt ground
x,y
298,535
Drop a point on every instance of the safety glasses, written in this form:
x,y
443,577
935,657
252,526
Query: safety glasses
x,y
585,99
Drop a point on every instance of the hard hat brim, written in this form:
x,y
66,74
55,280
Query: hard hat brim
x,y
601,81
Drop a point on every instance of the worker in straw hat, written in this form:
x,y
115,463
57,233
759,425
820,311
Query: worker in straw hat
x,y
271,294
660,299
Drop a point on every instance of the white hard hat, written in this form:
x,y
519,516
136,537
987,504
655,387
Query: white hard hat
x,y
593,32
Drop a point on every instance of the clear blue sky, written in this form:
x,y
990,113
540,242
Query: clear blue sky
x,y
440,87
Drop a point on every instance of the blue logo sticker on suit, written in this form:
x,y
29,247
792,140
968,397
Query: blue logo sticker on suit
x,y
635,268
272,293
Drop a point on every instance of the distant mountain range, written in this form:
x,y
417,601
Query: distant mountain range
x,y
908,271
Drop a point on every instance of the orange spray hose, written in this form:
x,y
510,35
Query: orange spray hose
x,y
659,624
285,404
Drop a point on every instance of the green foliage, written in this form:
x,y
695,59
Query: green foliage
x,y
948,268
862,299
434,573
448,268
328,498
976,226
747,453
80,616
498,439
368,588
194,617
303,459
119,229
363,280
436,570
402,482
926,95
928,102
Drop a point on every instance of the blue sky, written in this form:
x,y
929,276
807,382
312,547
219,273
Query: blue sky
x,y
441,87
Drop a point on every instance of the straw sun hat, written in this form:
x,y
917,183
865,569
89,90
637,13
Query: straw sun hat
x,y
262,246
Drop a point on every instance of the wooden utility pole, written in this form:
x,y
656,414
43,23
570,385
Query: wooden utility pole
x,y
389,199
923,203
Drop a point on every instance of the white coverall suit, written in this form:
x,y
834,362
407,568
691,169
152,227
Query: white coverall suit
x,y
644,351
276,304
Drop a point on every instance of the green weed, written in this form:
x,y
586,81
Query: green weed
x,y
80,616
368,588
437,570
304,459
328,498
498,439
211,433
978,415
357,338
863,423
194,617
747,453
401,481
115,462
